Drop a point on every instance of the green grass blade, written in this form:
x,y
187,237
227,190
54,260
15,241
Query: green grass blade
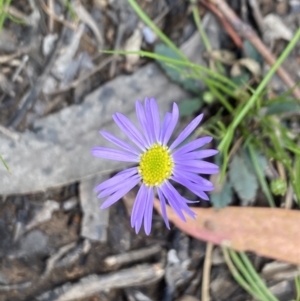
x,y
259,282
156,30
237,120
260,176
4,163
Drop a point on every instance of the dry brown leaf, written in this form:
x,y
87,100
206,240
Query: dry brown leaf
x,y
133,43
251,65
270,232
223,56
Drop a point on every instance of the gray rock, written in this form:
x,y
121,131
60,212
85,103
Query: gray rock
x,y
57,151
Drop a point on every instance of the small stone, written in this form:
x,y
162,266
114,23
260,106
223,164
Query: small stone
x,y
70,204
283,290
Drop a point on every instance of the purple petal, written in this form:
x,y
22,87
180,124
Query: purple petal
x,y
198,190
130,130
176,201
140,113
193,145
204,171
173,202
150,125
119,194
163,208
138,207
148,211
172,124
112,189
164,127
119,142
205,153
114,154
119,177
141,209
192,177
199,164
155,118
187,131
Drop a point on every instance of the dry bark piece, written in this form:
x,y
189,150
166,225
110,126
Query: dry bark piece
x,y
95,221
55,258
188,298
135,295
43,214
270,232
18,286
283,290
93,284
177,273
276,270
223,287
132,256
86,18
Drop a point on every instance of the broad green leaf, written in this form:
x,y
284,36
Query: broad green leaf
x,y
221,199
177,74
283,107
190,106
251,52
242,78
242,179
259,164
262,161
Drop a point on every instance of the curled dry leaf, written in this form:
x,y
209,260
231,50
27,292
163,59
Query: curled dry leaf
x,y
223,56
276,29
251,65
133,43
270,232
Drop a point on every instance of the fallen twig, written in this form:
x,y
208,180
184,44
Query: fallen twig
x,y
206,272
133,256
235,38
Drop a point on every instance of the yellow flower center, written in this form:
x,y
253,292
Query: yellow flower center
x,y
156,165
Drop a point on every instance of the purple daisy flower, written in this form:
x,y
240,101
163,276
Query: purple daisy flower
x,y
157,164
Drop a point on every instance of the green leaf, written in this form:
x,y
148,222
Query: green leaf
x,y
177,74
262,161
251,52
242,179
190,106
221,199
241,79
283,107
